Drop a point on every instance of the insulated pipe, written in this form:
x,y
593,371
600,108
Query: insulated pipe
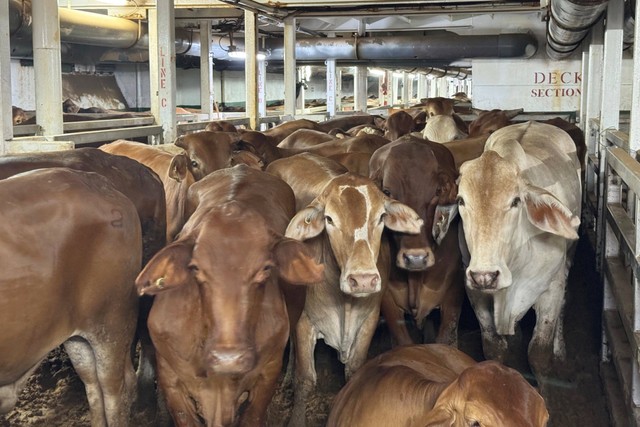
x,y
569,23
449,46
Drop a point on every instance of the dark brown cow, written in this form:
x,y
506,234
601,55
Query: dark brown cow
x,y
434,385
357,163
208,151
219,320
343,223
421,174
398,124
466,149
172,170
345,123
305,138
490,121
70,252
221,126
18,115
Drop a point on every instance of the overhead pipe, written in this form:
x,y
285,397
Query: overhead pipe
x,y
569,22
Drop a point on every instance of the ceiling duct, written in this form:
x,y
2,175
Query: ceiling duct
x,y
123,38
569,23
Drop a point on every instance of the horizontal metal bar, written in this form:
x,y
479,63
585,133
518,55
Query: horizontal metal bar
x,y
620,280
624,229
81,138
107,124
625,166
22,130
618,138
621,351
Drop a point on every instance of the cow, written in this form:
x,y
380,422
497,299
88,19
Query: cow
x,y
172,170
576,134
221,126
219,321
68,106
426,275
441,129
71,250
435,385
280,132
520,205
357,163
466,149
488,121
18,115
437,106
347,122
398,124
342,220
208,151
305,138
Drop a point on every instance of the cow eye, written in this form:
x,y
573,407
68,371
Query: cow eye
x,y
328,219
460,201
474,424
516,202
386,192
194,164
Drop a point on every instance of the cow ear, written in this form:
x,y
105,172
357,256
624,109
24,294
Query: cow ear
x,y
512,113
180,142
443,218
447,189
168,269
179,167
477,111
307,223
296,264
400,217
548,213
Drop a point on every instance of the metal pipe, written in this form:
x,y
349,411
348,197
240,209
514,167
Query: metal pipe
x,y
569,22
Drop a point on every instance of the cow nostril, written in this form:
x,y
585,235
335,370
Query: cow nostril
x,y
353,282
484,279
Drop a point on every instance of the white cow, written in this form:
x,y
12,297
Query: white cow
x,y
442,128
520,203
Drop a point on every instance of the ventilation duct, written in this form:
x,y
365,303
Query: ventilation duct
x,y
569,23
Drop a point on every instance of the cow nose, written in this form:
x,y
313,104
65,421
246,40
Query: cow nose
x,y
231,361
365,283
415,259
415,262
484,279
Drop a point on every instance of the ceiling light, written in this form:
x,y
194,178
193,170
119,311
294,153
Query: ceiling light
x,y
377,72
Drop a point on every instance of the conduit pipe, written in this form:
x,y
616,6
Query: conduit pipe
x,y
569,23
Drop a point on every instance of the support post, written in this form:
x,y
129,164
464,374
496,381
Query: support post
x,y
360,89
331,87
405,89
290,67
206,69
251,67
6,123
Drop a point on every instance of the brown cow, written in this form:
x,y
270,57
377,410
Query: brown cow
x,y
221,126
305,138
219,320
421,174
70,252
398,124
344,123
18,115
208,151
435,385
343,223
172,170
357,163
285,129
466,149
490,121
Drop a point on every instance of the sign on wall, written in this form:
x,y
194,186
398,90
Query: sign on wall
x,y
533,84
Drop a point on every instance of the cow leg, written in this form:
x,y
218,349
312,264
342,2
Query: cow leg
x,y
360,347
450,308
305,370
547,343
494,346
146,370
394,315
84,362
9,393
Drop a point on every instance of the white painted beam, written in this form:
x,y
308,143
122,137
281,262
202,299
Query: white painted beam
x,y
634,132
360,89
331,87
290,67
6,123
251,67
206,69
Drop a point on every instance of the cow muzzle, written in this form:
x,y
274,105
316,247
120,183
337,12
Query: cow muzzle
x,y
483,280
231,361
415,259
361,284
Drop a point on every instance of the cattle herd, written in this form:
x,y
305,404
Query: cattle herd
x,y
202,259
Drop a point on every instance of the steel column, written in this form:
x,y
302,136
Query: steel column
x,y
262,88
331,87
634,132
405,89
206,69
6,123
251,67
360,89
422,86
290,67
48,67
162,68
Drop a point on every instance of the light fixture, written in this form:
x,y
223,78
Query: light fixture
x,y
235,53
377,72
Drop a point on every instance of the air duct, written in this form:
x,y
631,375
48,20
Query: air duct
x,y
569,23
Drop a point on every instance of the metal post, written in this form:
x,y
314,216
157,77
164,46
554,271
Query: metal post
x,y
162,68
6,123
405,89
290,67
394,88
250,68
48,67
331,87
206,69
422,86
360,89
634,132
262,88
338,89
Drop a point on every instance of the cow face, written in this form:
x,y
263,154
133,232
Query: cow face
x,y
411,174
229,257
207,151
488,395
353,212
500,213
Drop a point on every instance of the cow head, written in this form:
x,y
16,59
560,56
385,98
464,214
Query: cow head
x,y
441,129
207,151
353,212
500,212
412,174
229,256
398,124
488,394
491,121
